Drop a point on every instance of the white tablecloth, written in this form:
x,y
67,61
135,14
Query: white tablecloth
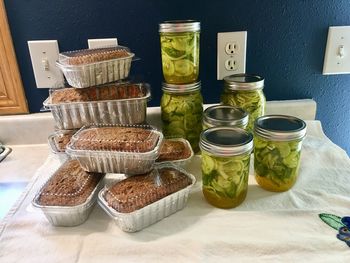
x,y
267,227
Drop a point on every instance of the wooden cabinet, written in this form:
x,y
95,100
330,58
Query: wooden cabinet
x,y
12,97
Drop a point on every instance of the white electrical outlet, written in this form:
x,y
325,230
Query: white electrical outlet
x,y
102,42
231,64
231,48
231,55
44,54
337,56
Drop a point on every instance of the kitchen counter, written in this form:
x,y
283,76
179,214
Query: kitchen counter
x,y
267,227
27,136
22,163
17,169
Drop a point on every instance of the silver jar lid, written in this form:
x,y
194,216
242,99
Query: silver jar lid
x,y
174,26
244,82
280,127
226,141
181,88
225,115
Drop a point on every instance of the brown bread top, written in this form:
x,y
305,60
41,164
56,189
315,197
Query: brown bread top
x,y
139,191
70,185
125,139
106,92
172,150
87,56
61,140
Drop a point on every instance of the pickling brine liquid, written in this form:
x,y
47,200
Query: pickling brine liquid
x,y
276,164
252,101
182,116
225,179
180,57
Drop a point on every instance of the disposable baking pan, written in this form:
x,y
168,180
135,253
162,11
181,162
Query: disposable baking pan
x,y
181,161
68,215
152,213
106,160
74,115
91,74
60,153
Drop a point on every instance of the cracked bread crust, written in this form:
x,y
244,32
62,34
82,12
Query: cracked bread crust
x,y
139,191
172,150
70,185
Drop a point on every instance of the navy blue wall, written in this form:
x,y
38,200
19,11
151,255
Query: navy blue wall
x,y
286,44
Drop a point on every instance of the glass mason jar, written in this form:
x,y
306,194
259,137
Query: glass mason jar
x,y
224,115
179,42
245,91
277,148
225,165
182,111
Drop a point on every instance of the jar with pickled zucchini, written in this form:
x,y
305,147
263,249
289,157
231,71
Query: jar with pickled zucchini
x,y
224,115
277,149
245,91
225,165
179,41
181,112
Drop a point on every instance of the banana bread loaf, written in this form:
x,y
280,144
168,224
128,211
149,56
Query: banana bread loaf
x,y
126,139
173,150
139,191
106,92
62,139
87,56
70,185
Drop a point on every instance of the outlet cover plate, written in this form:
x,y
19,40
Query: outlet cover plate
x,y
337,55
231,46
44,54
102,42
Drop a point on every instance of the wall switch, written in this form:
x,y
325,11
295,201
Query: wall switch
x,y
102,42
337,55
44,54
231,56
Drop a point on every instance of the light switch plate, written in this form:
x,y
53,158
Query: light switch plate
x,y
337,55
44,54
102,42
231,53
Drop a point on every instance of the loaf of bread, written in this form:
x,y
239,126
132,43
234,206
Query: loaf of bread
x,y
106,92
139,191
125,139
61,140
173,150
70,185
87,56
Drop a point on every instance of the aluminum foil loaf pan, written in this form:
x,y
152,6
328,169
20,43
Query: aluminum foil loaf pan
x,y
58,142
176,151
116,103
107,148
64,202
90,67
148,198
